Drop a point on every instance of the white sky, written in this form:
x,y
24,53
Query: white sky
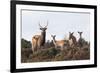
x,y
59,23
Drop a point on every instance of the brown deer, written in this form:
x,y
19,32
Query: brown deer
x,y
72,38
39,40
80,33
35,42
81,41
58,43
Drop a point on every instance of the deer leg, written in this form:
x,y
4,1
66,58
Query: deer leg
x,y
62,47
55,46
32,48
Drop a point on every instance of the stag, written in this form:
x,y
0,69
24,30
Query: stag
x,y
39,40
59,43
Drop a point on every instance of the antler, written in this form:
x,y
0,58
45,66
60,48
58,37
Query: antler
x,y
40,25
47,24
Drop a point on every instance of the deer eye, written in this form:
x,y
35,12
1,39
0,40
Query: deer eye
x,y
40,28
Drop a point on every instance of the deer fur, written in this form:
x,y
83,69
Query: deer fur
x,y
39,40
70,42
80,40
35,42
80,33
72,39
58,43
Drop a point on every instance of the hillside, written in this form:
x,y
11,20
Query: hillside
x,y
54,54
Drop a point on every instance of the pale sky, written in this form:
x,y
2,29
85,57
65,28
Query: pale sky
x,y
59,24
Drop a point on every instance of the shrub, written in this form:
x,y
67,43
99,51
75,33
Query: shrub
x,y
54,54
25,43
43,55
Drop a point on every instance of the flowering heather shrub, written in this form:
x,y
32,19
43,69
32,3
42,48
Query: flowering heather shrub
x,y
48,53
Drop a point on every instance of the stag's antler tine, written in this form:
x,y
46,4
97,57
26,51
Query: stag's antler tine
x,y
47,24
40,25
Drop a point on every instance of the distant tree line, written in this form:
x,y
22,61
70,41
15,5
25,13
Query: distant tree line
x,y
25,43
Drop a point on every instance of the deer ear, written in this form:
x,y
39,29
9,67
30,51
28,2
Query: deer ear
x,y
81,32
78,32
72,32
52,35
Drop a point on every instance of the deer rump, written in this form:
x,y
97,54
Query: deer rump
x,y
35,42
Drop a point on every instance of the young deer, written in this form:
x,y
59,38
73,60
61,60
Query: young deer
x,y
72,38
80,33
39,40
58,43
80,40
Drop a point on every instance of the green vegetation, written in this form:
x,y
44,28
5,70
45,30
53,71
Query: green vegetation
x,y
53,54
25,43
50,53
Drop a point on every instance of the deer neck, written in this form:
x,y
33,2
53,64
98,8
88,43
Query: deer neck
x,y
74,39
43,35
54,41
80,36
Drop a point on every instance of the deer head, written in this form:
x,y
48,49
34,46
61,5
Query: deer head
x,y
43,28
71,35
80,33
53,36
